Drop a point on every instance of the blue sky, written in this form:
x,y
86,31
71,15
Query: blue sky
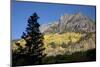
x,y
47,12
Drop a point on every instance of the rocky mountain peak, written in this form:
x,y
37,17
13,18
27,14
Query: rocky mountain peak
x,y
71,23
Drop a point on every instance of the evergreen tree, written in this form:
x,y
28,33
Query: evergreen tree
x,y
34,40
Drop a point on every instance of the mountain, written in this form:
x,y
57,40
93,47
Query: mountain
x,y
72,33
70,23
49,28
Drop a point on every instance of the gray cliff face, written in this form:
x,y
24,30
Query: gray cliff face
x,y
49,28
70,23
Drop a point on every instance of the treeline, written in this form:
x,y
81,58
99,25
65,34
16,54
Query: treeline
x,y
84,56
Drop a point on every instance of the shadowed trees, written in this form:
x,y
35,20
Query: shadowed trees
x,y
33,52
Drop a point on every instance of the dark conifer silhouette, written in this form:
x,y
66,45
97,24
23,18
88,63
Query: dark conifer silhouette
x,y
34,38
33,53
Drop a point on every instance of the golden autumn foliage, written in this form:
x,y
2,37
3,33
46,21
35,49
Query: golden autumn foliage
x,y
69,42
58,39
22,43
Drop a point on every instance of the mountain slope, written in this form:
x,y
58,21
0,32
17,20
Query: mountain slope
x,y
72,33
70,23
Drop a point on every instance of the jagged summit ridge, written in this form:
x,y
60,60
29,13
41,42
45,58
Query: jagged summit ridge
x,y
70,23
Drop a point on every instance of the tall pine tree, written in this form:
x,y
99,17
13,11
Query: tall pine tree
x,y
34,40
